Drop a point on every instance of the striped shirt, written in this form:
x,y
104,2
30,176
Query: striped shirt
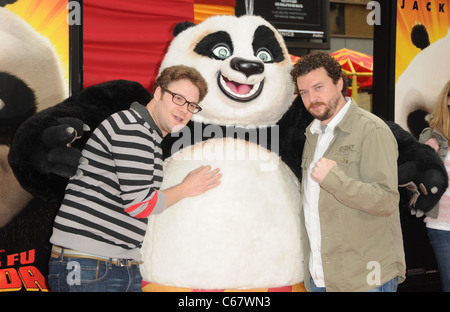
x,y
104,211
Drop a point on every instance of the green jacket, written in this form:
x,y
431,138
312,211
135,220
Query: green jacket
x,y
362,245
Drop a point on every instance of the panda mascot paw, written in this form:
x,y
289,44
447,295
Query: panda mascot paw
x,y
61,159
422,177
46,148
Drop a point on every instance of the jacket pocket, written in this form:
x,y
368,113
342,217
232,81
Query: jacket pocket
x,y
349,162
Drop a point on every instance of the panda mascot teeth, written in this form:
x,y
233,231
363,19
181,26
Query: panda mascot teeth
x,y
245,233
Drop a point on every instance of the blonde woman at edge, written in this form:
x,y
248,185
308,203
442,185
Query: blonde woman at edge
x,y
438,219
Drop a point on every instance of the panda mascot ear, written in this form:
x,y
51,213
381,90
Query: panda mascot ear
x,y
181,27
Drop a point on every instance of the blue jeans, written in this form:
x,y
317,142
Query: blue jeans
x,y
440,241
68,274
389,286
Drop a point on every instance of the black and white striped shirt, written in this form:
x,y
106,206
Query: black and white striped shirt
x,y
104,212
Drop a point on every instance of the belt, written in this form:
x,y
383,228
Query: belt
x,y
61,251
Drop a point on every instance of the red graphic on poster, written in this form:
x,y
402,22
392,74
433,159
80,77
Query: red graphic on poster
x,y
27,276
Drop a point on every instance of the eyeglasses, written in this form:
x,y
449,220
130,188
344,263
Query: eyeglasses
x,y
180,101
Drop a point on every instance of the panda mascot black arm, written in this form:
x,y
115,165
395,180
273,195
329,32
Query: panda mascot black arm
x,y
45,149
292,128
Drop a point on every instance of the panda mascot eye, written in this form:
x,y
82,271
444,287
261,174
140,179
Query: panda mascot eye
x,y
221,51
217,45
264,55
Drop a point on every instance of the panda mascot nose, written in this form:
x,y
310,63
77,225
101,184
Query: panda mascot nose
x,y
247,67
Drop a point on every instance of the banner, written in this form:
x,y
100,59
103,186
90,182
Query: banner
x,y
38,31
128,39
123,40
422,63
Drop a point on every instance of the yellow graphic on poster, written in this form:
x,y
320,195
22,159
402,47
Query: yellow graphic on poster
x,y
422,63
433,14
49,18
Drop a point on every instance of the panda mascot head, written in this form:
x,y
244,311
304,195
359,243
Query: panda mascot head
x,y
246,64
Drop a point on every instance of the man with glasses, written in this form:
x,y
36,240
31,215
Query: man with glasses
x,y
101,223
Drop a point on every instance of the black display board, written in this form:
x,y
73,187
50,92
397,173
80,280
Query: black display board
x,y
304,24
294,19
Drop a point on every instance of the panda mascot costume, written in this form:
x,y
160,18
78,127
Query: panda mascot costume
x,y
244,234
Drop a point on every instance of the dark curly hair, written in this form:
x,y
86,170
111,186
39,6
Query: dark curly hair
x,y
316,60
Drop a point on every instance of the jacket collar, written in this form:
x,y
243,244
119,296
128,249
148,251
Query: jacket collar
x,y
347,121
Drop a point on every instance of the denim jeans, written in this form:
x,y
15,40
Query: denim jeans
x,y
390,286
68,274
440,241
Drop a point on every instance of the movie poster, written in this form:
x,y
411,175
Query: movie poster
x,y
27,26
49,18
119,39
422,64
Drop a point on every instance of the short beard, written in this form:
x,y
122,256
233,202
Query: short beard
x,y
330,109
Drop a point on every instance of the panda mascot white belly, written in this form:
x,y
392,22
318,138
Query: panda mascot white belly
x,y
242,234
245,233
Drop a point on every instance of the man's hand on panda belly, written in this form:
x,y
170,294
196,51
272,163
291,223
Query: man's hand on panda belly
x,y
196,182
200,180
63,159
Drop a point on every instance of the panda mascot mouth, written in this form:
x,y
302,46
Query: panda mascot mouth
x,y
237,91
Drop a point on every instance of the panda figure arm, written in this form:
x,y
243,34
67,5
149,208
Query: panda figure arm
x,y
292,131
46,148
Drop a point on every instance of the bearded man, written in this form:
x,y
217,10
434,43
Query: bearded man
x,y
350,213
